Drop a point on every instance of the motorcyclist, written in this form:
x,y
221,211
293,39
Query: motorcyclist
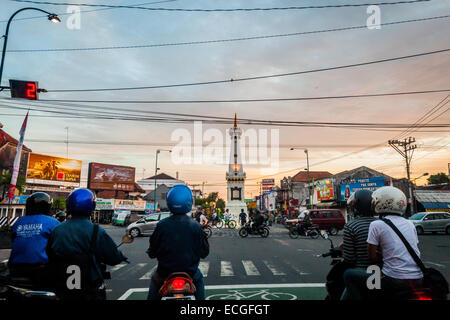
x,y
354,246
81,243
203,220
400,273
258,220
305,223
30,236
243,217
178,243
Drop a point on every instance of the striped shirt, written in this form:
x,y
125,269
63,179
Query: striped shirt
x,y
355,241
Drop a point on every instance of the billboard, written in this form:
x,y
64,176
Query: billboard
x,y
134,205
347,189
45,169
325,189
268,184
110,177
104,204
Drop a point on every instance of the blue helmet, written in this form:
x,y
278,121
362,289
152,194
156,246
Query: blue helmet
x,y
179,199
81,202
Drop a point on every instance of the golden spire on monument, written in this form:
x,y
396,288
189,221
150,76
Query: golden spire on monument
x,y
235,120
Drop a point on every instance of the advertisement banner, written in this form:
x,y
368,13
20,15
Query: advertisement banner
x,y
324,189
45,169
269,182
134,205
350,186
110,177
104,204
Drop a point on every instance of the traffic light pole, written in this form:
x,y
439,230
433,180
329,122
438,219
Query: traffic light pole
x,y
405,153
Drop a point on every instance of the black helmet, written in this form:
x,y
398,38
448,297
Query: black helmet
x,y
360,203
60,216
38,203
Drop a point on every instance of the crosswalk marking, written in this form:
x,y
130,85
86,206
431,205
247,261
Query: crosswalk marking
x,y
226,270
273,269
117,267
149,274
297,269
204,268
250,268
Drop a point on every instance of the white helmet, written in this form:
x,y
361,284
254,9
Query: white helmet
x,y
389,200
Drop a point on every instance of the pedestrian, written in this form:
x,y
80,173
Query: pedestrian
x,y
243,217
400,272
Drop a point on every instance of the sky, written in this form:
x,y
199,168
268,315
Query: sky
x,y
132,143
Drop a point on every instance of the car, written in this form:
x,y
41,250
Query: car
x,y
431,222
146,225
330,220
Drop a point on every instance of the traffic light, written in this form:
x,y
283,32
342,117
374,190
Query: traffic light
x,y
24,89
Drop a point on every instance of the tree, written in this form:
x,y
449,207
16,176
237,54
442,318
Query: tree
x,y
438,178
59,204
5,180
220,204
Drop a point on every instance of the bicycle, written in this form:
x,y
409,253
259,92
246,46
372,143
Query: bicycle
x,y
264,293
228,223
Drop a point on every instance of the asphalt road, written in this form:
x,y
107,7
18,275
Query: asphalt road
x,y
255,262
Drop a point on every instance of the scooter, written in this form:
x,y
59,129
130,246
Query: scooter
x,y
246,229
22,289
335,281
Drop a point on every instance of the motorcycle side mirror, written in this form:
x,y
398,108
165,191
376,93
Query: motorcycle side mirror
x,y
127,238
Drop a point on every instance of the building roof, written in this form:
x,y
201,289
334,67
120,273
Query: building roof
x,y
433,199
362,171
137,188
161,176
302,176
6,138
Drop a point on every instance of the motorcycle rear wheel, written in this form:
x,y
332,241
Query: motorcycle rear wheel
x,y
265,233
208,232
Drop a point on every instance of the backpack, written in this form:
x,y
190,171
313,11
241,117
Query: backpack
x,y
73,273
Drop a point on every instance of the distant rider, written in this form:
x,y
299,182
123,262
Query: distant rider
x,y
242,217
178,243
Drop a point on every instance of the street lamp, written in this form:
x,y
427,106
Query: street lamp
x,y
156,172
51,16
423,175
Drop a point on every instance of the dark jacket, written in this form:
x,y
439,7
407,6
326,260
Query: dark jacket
x,y
74,237
178,243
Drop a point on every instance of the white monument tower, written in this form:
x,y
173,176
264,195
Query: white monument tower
x,y
235,175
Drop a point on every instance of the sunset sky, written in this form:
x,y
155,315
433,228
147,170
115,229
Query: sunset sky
x,y
175,64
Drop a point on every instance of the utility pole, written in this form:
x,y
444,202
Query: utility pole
x,y
407,153
67,143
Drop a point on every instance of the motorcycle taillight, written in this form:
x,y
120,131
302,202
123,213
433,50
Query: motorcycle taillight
x,y
178,284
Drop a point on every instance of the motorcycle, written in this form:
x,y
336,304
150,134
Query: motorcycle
x,y
335,281
178,286
313,231
246,229
23,289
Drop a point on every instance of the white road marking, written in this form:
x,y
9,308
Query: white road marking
x,y
117,267
436,264
273,269
226,270
204,268
129,292
297,269
250,268
149,274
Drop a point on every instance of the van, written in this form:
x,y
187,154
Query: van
x,y
331,220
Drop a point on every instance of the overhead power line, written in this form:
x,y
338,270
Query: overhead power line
x,y
258,77
223,9
251,100
222,40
